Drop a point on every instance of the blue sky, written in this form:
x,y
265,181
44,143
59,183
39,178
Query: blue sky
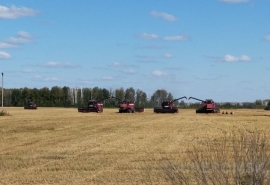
x,y
218,49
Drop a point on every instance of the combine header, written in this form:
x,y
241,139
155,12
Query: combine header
x,y
30,105
208,106
167,106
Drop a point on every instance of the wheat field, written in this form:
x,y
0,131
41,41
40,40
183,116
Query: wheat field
x,y
62,146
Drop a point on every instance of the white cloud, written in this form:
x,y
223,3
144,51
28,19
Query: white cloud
x,y
5,55
14,12
148,36
267,38
18,40
58,64
234,1
163,15
24,34
168,55
7,45
176,38
245,58
158,73
46,79
22,37
230,58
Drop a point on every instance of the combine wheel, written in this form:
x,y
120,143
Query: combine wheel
x,y
129,111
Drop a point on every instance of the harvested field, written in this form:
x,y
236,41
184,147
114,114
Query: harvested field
x,y
62,146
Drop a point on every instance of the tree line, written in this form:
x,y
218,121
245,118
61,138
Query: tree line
x,y
79,97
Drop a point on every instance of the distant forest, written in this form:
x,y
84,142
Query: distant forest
x,y
79,97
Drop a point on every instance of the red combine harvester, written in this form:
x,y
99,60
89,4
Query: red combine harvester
x,y
167,106
30,105
208,106
92,106
126,106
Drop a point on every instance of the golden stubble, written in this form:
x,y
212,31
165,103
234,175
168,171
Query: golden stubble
x,y
62,146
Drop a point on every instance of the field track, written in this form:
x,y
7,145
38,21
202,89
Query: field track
x,y
62,146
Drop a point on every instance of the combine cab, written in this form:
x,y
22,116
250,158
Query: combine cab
x,y
208,106
30,105
92,106
167,106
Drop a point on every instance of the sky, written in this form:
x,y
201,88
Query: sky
x,y
218,49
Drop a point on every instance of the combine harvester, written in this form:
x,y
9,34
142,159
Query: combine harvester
x,y
126,107
208,106
30,105
167,106
93,106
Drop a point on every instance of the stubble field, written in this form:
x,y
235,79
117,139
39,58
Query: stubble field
x,y
62,146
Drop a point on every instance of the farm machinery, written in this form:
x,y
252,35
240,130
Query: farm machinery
x,y
97,106
208,106
167,106
93,106
128,106
30,105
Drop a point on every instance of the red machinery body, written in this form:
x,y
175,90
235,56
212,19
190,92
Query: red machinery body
x,y
127,106
167,106
208,106
30,105
92,106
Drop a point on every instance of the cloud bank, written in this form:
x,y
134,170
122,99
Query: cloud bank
x,y
14,12
58,64
4,55
230,58
159,74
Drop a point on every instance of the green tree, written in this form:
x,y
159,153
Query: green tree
x,y
45,97
67,98
130,94
141,98
36,96
268,106
86,93
95,93
120,94
16,97
57,96
26,95
158,96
